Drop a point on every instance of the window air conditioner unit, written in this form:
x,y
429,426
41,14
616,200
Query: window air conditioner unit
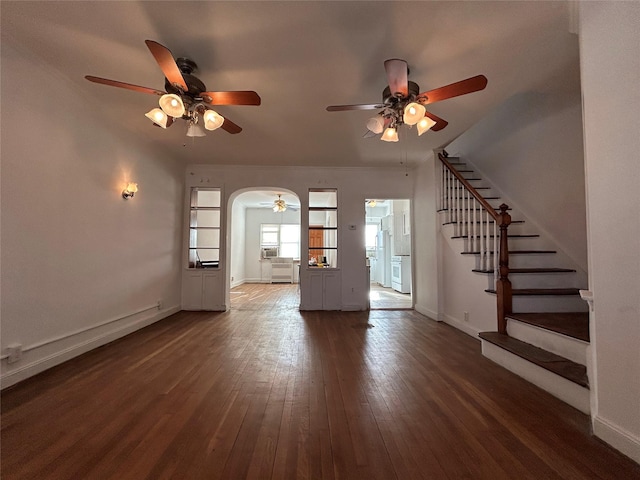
x,y
270,252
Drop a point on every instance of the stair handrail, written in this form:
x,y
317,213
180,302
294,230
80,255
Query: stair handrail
x,y
504,293
487,206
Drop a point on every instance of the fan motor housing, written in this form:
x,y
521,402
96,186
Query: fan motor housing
x,y
388,98
187,67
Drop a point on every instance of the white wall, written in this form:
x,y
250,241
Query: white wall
x,y
75,254
238,244
255,217
375,182
426,290
609,46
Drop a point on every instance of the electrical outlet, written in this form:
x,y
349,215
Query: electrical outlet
x,y
14,353
466,316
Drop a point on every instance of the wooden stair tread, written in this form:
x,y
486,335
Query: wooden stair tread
x,y
482,222
497,209
550,361
541,291
530,270
515,252
527,235
571,324
486,198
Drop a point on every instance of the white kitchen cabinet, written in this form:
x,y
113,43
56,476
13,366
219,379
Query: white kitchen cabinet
x,y
401,240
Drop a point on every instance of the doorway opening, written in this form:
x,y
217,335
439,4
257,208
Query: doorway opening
x,y
388,249
264,246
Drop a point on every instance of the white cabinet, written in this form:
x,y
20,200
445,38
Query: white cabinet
x,y
322,290
202,290
401,234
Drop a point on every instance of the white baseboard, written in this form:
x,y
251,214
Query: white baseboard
x,y
617,437
353,308
45,361
427,312
462,326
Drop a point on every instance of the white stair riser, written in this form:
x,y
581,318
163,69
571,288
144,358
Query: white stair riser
x,y
549,303
567,391
567,347
521,261
538,280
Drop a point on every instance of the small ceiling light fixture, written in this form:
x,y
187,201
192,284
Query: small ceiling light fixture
x,y
130,190
375,124
172,105
212,120
371,203
195,130
390,135
413,112
279,205
158,117
425,124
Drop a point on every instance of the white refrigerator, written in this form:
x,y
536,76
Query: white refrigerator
x,y
383,255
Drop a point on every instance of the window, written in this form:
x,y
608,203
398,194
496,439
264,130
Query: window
x,y
204,228
371,236
323,227
285,237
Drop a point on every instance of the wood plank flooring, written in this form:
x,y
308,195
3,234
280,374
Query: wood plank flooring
x,y
264,391
387,298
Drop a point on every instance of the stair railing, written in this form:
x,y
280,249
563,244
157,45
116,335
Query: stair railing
x,y
485,229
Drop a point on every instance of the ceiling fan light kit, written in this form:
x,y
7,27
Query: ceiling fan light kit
x,y
195,130
375,124
185,96
403,104
279,205
172,105
413,112
158,117
390,135
212,120
424,125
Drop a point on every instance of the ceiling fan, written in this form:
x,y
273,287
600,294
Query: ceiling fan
x,y
279,205
186,96
402,102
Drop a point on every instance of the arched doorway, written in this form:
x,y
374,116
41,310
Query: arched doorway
x,y
263,248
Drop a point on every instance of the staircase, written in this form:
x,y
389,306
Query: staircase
x,y
545,334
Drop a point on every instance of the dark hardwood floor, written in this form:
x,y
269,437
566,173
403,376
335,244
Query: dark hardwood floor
x,y
264,391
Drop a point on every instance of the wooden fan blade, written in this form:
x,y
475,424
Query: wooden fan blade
x,y
128,86
440,123
369,134
366,106
170,121
243,97
167,64
230,127
470,85
397,76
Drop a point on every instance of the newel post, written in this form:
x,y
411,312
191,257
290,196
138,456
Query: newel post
x,y
503,285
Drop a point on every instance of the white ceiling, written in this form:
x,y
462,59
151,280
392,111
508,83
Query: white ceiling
x,y
300,57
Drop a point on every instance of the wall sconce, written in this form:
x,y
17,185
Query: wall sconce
x,y
130,190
